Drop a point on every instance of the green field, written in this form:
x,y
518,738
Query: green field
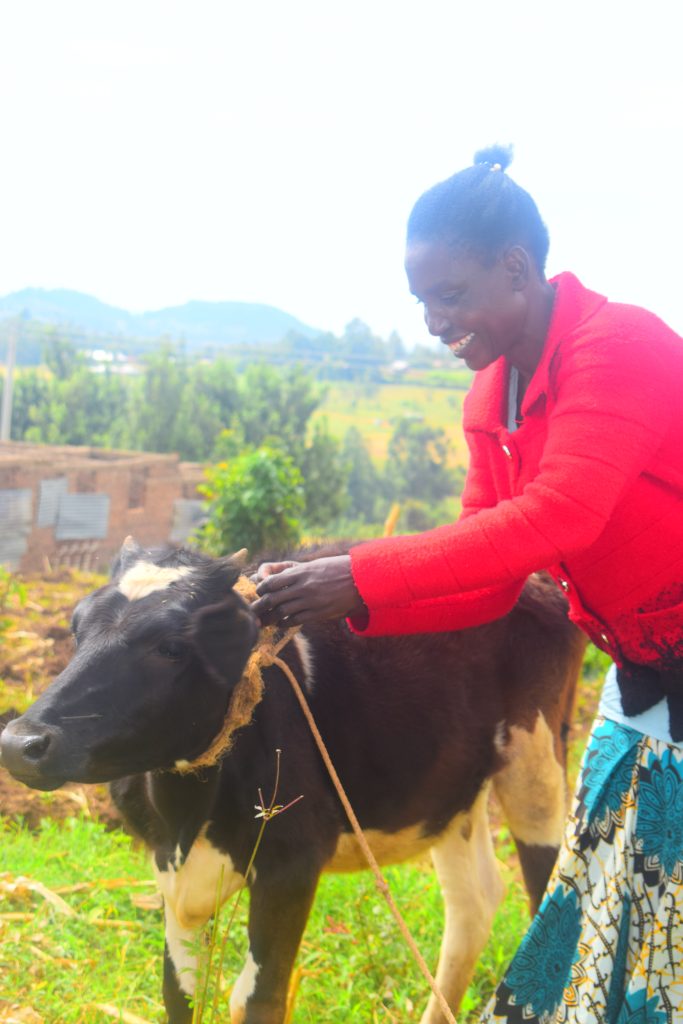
x,y
91,936
374,409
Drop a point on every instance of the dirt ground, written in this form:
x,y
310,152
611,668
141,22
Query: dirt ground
x,y
35,645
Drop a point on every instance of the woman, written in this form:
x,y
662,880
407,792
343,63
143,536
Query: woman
x,y
574,424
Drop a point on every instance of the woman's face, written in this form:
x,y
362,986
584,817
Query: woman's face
x,y
479,312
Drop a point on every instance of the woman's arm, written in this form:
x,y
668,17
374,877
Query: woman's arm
x,y
615,400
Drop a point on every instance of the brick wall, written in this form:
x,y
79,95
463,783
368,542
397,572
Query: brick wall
x,y
137,493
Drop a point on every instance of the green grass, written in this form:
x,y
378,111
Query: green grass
x,y
353,965
57,964
373,410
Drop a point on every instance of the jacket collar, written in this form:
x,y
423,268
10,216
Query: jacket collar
x,y
486,403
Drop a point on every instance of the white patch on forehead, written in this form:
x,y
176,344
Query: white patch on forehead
x,y
145,578
193,889
243,988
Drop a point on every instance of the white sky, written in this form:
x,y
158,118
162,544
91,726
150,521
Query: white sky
x,y
156,151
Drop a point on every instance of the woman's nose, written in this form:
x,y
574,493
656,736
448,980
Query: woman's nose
x,y
437,323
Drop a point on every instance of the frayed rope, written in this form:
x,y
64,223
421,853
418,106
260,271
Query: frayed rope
x,y
248,691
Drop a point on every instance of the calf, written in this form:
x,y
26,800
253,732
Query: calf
x,y
417,727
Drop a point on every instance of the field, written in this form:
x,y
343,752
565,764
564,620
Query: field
x,y
374,409
80,923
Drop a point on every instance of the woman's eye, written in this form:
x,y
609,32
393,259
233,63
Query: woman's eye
x,y
174,650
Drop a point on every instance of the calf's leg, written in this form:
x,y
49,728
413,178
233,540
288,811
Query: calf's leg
x,y
472,889
278,911
532,790
180,969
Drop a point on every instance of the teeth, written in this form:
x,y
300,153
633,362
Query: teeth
x,y
457,347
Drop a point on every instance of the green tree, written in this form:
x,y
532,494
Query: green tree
x,y
417,465
61,356
31,396
325,474
364,483
154,403
209,404
93,403
253,501
277,405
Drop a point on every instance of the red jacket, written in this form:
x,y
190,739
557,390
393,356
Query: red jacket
x,y
589,487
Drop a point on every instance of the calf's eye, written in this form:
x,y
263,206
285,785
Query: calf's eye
x,y
174,650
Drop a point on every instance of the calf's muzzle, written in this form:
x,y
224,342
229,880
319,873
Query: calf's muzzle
x,y
25,750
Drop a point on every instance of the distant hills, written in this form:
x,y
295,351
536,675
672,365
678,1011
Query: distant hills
x,y
196,323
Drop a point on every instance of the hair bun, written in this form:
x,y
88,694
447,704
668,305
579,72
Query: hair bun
x,y
499,157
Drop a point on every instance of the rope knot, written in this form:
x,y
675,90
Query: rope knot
x,y
249,690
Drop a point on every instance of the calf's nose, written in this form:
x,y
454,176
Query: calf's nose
x,y
23,749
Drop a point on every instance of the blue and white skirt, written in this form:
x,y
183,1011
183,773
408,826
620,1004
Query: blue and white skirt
x,y
607,943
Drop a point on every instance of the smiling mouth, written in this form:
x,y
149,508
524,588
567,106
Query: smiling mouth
x,y
460,345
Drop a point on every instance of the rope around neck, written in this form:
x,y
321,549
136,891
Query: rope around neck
x,y
247,693
246,696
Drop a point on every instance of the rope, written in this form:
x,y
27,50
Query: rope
x,y
380,881
251,684
248,691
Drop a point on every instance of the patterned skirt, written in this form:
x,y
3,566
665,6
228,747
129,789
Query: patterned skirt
x,y
607,942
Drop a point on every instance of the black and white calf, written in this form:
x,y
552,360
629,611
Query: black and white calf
x,y
417,726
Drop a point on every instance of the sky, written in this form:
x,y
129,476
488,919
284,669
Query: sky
x,y
157,151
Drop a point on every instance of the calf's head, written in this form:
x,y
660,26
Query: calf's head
x,y
159,650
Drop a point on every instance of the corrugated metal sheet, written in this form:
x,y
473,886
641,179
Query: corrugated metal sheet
x,y
188,514
16,516
82,517
50,493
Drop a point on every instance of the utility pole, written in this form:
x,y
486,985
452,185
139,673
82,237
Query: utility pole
x,y
6,411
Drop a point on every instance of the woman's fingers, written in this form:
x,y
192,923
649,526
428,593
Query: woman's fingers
x,y
267,569
307,591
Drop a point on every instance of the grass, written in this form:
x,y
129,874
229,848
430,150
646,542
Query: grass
x,y
352,965
374,409
108,949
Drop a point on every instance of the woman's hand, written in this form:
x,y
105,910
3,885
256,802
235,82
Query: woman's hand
x,y
292,593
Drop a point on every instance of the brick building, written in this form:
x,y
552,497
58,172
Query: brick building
x,y
74,506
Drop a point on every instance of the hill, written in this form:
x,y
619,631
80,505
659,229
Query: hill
x,y
196,323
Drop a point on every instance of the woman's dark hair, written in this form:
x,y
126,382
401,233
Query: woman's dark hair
x,y
481,209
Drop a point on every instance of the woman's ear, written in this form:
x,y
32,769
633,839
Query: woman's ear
x,y
517,265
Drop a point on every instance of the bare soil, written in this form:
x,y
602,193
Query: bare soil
x,y
35,646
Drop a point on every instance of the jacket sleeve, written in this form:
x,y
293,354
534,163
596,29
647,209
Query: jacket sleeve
x,y
440,614
613,403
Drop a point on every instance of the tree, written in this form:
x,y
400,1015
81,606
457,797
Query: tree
x,y
61,356
254,501
277,405
154,403
32,394
359,342
395,347
364,484
417,464
325,476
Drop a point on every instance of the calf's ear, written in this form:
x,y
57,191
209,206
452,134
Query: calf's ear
x,y
223,635
130,553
